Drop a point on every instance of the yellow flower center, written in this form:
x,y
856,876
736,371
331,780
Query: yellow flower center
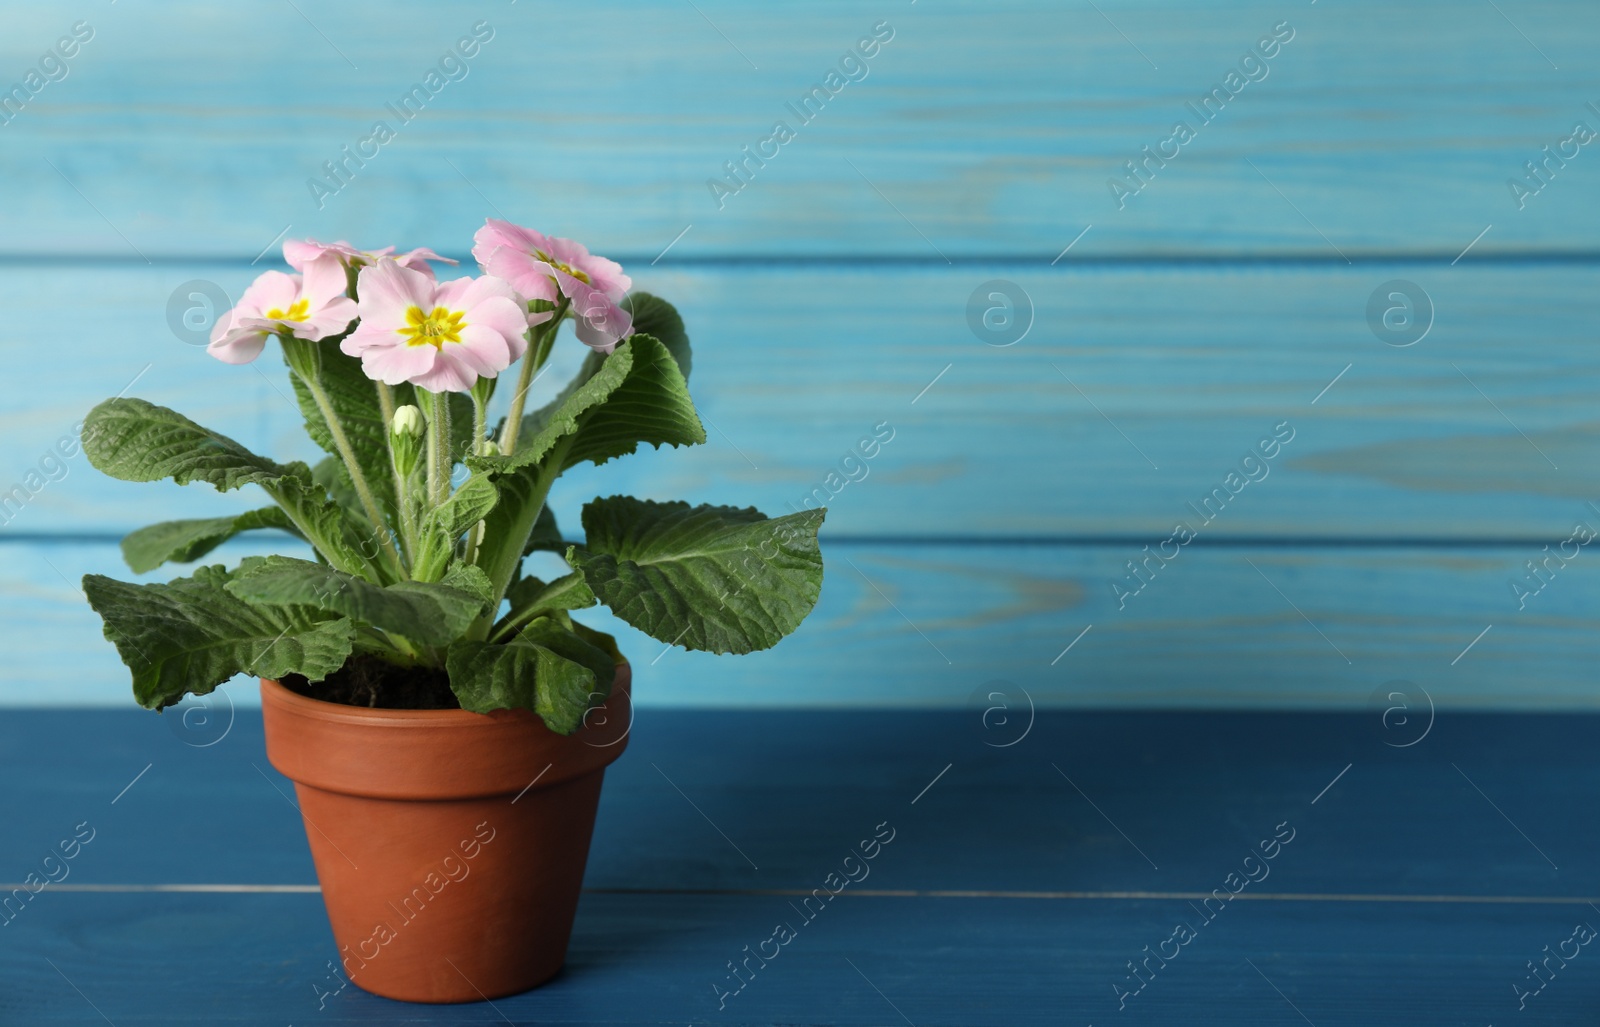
x,y
568,268
298,311
432,329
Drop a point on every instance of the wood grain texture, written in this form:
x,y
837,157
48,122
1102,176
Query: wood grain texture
x,y
670,901
830,294
993,128
1187,367
926,625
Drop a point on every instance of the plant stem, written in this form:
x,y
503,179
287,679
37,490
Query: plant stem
x,y
508,555
439,462
385,402
341,442
538,352
480,422
408,515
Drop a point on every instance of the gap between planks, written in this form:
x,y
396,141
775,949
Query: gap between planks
x,y
887,893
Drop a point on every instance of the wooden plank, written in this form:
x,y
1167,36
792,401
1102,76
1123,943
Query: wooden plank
x,y
1230,627
652,959
974,815
991,129
670,901
1473,433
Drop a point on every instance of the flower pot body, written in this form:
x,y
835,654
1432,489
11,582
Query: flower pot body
x,y
450,845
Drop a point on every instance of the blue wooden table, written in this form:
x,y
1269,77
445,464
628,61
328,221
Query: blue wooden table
x,y
1413,867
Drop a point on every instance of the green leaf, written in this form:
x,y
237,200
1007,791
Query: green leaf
x,y
331,473
637,394
653,315
717,578
546,536
354,399
568,592
511,522
605,643
340,534
185,541
532,598
133,440
464,577
191,635
444,524
545,668
634,395
432,614
651,405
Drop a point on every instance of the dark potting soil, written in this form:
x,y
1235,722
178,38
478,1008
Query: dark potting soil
x,y
369,681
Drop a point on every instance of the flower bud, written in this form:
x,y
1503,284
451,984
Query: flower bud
x,y
408,419
405,439
488,448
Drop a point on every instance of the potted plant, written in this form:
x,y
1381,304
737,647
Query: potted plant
x,y
446,719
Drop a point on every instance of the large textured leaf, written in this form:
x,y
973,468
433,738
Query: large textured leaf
x,y
432,614
134,440
139,441
651,405
545,668
653,315
354,399
184,541
191,635
637,394
716,578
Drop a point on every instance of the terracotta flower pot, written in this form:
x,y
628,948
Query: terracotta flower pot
x,y
450,845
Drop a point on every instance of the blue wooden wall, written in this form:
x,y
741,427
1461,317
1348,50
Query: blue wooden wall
x,y
1173,327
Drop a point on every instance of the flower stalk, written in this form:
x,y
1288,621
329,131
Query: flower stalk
x,y
544,337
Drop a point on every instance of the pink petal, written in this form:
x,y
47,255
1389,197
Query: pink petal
x,y
239,347
417,260
330,320
496,233
529,277
599,321
606,275
446,376
270,289
506,318
481,348
369,336
396,364
297,253
388,290
324,281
